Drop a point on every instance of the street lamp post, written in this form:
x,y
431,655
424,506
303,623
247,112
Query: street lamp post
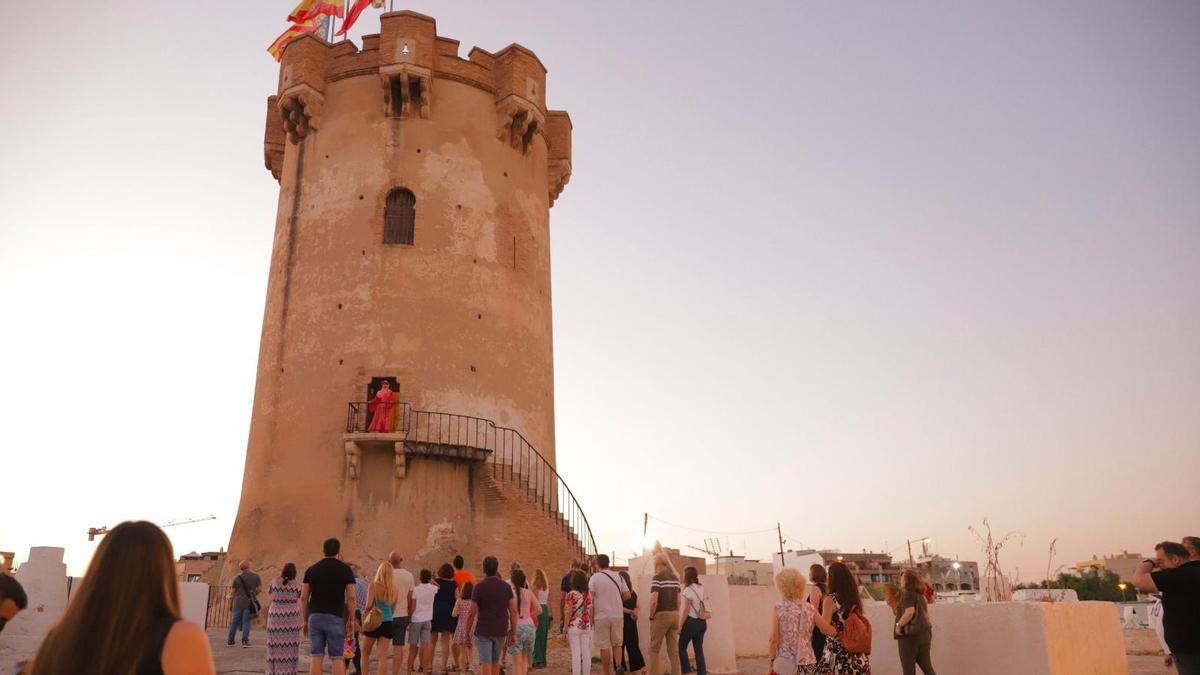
x,y
1122,586
922,540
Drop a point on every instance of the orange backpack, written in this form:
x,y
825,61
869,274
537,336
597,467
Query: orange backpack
x,y
856,636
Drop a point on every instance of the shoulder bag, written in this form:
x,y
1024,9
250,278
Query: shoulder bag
x,y
702,611
372,618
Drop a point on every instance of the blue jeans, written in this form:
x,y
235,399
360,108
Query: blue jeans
x,y
326,634
241,617
489,648
692,631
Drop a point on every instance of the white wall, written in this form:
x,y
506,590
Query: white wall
x,y
1030,638
44,578
193,601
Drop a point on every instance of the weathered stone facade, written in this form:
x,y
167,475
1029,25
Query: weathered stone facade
x,y
460,317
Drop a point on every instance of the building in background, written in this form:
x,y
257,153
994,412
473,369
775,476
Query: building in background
x,y
680,561
870,567
949,576
1122,564
742,571
198,566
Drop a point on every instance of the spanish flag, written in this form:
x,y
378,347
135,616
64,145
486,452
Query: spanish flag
x,y
355,10
293,32
308,10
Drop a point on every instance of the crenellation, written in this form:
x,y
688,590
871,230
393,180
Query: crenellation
x,y
408,57
305,62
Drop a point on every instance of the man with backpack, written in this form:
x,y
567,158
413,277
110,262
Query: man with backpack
x,y
245,603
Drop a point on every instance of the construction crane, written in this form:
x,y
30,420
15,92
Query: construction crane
x,y
94,532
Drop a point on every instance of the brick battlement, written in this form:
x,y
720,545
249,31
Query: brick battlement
x,y
409,58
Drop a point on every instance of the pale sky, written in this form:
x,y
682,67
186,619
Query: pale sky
x,y
870,270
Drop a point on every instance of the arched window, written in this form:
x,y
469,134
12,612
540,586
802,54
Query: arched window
x,y
399,217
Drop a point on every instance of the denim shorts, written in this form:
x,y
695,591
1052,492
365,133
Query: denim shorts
x,y
399,629
326,633
419,633
489,648
524,641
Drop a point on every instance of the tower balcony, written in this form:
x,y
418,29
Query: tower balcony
x,y
411,433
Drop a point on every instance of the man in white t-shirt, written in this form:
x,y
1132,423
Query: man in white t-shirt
x,y
401,609
420,635
608,591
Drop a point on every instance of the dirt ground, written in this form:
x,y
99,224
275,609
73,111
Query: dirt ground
x,y
1141,647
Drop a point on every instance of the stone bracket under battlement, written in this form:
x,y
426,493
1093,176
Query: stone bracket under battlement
x,y
300,106
412,84
403,448
518,122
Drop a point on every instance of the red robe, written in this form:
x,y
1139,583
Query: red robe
x,y
381,409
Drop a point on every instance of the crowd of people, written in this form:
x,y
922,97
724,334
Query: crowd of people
x,y
125,617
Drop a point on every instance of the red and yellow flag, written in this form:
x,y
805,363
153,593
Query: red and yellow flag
x,y
308,10
352,16
293,32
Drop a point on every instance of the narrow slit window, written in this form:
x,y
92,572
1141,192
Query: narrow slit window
x,y
399,217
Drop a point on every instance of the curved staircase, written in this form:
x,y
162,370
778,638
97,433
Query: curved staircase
x,y
511,472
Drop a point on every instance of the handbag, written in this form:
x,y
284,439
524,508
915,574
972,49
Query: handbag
x,y
372,619
702,611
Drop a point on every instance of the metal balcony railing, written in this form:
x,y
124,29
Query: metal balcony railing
x,y
510,457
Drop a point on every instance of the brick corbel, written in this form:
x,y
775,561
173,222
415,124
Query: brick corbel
x,y
300,106
407,72
515,117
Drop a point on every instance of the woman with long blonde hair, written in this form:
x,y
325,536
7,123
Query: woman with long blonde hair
x,y
125,617
541,590
381,595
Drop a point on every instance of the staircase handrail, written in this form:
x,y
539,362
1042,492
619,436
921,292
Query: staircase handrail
x,y
535,479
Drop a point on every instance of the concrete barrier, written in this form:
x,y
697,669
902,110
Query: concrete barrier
x,y
1030,638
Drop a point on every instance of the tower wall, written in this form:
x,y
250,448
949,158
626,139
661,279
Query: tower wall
x,y
461,317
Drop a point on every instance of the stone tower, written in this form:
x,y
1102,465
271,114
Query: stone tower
x,y
412,245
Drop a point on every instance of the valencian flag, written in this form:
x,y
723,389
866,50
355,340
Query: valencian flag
x,y
308,10
293,32
352,15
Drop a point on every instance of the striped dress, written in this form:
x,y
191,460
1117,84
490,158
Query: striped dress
x,y
283,628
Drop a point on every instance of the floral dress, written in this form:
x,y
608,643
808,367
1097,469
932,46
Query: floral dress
x,y
796,619
283,628
578,608
462,632
837,660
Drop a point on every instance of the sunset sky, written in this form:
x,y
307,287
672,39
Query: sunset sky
x,y
873,271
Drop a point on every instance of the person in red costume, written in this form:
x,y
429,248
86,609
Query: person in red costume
x,y
381,409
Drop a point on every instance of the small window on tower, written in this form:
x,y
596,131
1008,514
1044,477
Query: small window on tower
x,y
399,217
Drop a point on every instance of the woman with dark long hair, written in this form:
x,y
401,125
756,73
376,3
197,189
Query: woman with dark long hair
x,y
914,631
632,660
443,607
125,618
695,621
843,600
816,593
283,624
